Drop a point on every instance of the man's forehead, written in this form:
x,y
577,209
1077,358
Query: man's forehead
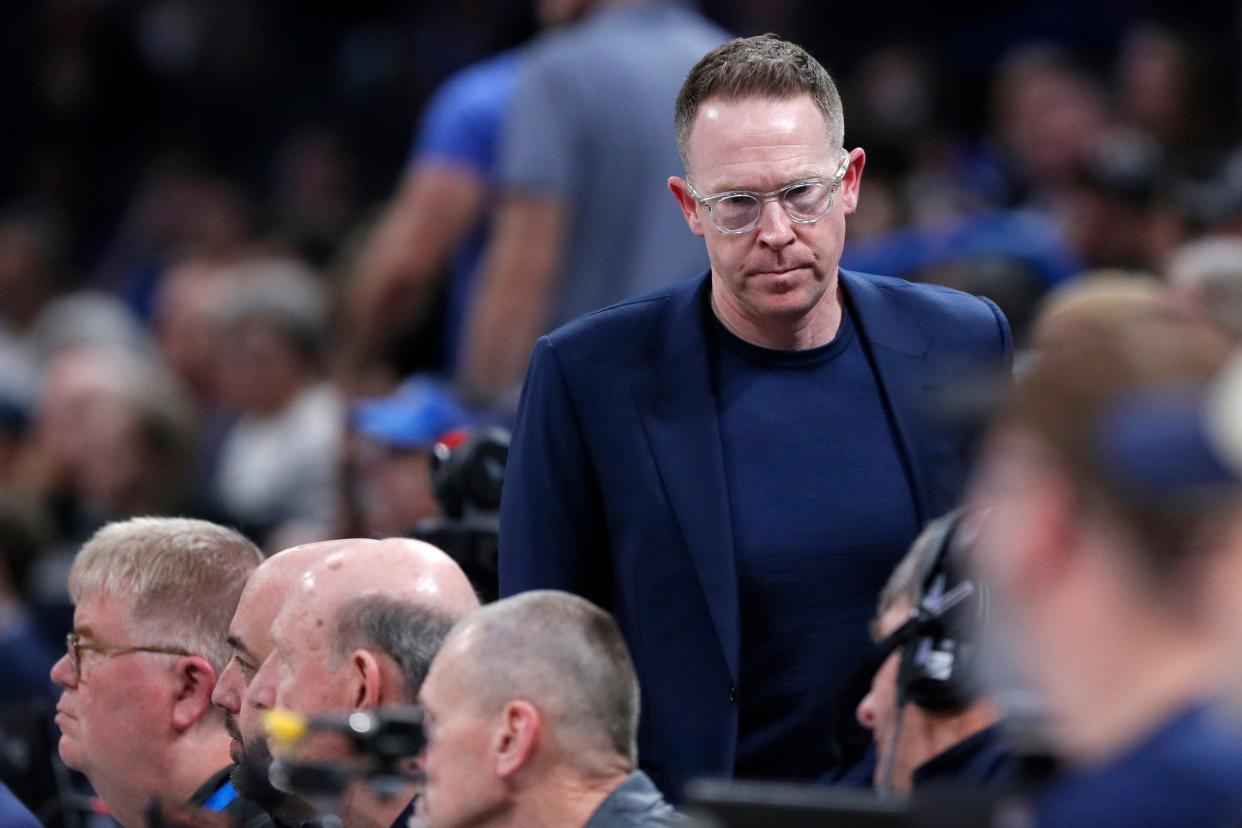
x,y
724,129
98,611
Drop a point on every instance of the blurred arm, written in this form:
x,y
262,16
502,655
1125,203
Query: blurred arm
x,y
398,273
511,306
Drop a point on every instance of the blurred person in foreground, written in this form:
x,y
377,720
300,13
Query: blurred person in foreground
x,y
1104,583
153,598
581,217
532,718
358,632
250,638
767,426
932,725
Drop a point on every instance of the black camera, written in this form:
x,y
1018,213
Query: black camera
x,y
467,474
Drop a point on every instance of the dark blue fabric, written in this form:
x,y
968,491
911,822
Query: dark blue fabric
x,y
982,762
27,658
616,487
403,819
813,543
461,127
13,814
1186,774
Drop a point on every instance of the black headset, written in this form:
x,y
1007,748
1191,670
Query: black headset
x,y
939,642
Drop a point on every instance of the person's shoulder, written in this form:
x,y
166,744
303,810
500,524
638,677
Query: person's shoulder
x,y
923,295
482,83
945,313
624,324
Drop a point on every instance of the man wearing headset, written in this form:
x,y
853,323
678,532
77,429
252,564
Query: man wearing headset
x,y
930,727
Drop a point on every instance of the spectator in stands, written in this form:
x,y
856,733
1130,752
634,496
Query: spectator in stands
x,y
153,600
278,471
582,218
1105,582
396,436
358,631
532,719
931,725
251,640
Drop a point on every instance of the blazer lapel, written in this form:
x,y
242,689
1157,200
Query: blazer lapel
x,y
679,414
897,346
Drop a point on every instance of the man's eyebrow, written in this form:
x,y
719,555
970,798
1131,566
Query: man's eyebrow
x,y
729,187
83,631
236,643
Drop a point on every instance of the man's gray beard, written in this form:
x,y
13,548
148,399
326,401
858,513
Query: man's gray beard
x,y
250,777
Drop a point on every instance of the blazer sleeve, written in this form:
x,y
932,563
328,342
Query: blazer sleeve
x,y
551,524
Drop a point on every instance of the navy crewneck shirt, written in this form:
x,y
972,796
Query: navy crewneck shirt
x,y
822,511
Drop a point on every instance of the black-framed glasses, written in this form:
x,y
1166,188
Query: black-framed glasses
x,y
805,201
74,645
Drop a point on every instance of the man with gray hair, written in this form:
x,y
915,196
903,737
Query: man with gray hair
x,y
357,631
153,598
532,718
932,723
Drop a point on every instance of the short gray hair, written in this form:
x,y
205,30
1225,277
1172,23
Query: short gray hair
x,y
910,576
411,634
567,657
758,67
183,578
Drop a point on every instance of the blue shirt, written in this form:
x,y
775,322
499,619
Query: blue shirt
x,y
461,127
1185,774
821,511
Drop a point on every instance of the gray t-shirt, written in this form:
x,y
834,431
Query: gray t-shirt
x,y
592,123
635,803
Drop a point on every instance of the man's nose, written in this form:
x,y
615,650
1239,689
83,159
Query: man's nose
x,y
62,672
225,695
775,227
865,712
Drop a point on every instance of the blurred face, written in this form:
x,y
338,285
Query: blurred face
x,y
396,489
878,710
461,788
781,269
261,369
110,712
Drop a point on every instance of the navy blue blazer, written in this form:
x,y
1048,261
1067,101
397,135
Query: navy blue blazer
x,y
615,487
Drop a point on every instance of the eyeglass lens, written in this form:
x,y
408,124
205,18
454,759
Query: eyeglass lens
x,y
807,202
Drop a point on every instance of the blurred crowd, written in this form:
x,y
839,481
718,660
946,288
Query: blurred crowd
x,y
193,193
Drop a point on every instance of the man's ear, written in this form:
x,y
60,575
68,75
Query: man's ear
x,y
689,207
516,737
851,184
366,680
194,679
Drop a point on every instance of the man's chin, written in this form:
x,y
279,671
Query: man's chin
x,y
69,753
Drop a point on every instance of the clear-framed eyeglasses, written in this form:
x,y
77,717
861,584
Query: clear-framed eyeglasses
x,y
805,202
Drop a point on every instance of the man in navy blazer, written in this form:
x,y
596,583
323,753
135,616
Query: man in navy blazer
x,y
733,465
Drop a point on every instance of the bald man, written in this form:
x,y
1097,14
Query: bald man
x,y
357,631
251,641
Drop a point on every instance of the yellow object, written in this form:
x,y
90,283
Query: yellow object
x,y
284,728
